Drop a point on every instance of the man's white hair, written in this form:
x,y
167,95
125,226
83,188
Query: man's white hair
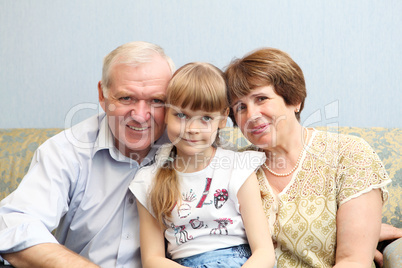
x,y
133,53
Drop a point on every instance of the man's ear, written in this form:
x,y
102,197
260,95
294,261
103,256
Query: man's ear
x,y
101,96
224,119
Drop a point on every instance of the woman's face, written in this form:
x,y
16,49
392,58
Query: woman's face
x,y
263,117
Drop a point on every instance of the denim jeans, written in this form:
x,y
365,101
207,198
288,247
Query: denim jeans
x,y
226,257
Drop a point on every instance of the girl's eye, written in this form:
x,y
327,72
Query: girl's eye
x,y
206,118
181,115
262,98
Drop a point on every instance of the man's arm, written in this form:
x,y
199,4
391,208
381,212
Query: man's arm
x,y
46,256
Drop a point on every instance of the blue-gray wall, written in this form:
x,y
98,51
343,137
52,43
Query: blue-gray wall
x,y
51,51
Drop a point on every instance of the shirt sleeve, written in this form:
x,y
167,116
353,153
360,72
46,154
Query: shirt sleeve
x,y
360,170
33,210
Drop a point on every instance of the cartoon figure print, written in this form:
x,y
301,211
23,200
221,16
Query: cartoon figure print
x,y
181,234
184,210
220,197
222,223
197,224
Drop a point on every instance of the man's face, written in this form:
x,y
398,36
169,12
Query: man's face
x,y
135,105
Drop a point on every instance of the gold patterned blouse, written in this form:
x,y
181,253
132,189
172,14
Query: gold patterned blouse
x,y
334,169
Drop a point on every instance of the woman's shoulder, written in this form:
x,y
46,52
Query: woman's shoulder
x,y
333,136
341,143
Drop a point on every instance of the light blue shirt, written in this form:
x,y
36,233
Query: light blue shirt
x,y
78,182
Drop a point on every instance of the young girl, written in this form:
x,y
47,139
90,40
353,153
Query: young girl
x,y
201,198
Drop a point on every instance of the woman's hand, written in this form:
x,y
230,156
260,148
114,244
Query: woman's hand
x,y
388,232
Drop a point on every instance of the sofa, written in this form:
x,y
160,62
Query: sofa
x,y
18,145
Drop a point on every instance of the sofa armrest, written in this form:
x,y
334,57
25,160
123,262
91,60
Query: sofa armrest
x,y
393,254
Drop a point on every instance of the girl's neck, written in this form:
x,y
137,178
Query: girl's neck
x,y
194,163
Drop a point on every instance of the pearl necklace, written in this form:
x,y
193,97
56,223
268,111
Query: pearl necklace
x,y
290,172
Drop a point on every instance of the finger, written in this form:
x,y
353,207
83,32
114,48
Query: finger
x,y
378,258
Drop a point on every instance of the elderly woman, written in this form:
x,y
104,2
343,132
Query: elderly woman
x,y
322,192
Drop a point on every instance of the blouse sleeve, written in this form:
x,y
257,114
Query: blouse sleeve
x,y
360,170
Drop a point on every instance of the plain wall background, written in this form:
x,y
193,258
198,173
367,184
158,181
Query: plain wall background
x,y
51,52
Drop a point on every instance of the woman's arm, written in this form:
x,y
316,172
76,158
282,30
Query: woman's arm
x,y
152,241
358,225
256,225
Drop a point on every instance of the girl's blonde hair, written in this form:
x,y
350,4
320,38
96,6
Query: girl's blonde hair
x,y
197,86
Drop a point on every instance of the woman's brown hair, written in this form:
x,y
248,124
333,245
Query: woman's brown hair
x,y
265,67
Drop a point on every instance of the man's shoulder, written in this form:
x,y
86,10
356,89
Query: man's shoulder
x,y
80,136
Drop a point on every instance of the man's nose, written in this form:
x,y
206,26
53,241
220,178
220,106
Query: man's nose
x,y
141,111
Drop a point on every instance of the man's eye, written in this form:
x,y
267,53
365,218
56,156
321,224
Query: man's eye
x,y
206,118
125,100
158,102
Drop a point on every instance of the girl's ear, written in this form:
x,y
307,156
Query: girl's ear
x,y
223,120
166,114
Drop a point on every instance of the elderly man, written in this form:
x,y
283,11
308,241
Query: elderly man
x,y
78,180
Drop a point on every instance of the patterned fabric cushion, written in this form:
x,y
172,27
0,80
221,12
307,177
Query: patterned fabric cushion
x,y
16,149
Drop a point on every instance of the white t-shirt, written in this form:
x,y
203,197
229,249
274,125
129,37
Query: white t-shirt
x,y
208,216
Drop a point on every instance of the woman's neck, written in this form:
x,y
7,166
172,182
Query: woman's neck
x,y
287,153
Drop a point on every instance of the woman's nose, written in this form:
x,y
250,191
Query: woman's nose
x,y
252,111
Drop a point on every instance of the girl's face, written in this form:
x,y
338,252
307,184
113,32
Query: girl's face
x,y
264,118
193,132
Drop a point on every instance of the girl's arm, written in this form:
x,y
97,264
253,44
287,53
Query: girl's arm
x,y
152,241
256,224
358,224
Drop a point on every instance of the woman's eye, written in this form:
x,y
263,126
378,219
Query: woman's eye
x,y
262,98
239,107
206,118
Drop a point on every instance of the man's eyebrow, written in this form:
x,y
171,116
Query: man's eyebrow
x,y
159,96
123,93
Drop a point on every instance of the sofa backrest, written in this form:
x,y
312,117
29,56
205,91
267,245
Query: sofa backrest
x,y
18,145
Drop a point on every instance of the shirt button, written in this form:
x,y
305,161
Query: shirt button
x,y
131,200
